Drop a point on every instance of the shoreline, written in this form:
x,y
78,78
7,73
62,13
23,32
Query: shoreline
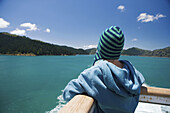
x,y
147,56
31,54
18,54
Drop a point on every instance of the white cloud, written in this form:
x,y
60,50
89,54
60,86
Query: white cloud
x,y
159,16
47,30
144,17
31,27
18,32
121,8
3,23
134,40
89,46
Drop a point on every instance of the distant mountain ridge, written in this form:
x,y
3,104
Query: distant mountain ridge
x,y
21,45
91,51
165,52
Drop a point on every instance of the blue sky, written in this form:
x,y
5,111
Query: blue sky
x,y
79,23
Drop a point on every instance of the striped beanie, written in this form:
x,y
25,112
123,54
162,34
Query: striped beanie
x,y
110,44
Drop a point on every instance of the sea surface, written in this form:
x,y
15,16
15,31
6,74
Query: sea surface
x,y
34,84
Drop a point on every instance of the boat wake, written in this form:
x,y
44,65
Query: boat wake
x,y
60,103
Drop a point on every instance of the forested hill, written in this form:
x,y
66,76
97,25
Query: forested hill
x,y
21,45
165,52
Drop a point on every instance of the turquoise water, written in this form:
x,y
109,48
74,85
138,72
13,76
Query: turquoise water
x,y
32,84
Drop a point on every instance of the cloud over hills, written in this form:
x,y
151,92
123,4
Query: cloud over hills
x,y
3,23
23,28
18,32
30,26
89,46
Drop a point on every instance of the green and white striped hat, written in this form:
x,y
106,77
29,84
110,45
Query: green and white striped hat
x,y
110,44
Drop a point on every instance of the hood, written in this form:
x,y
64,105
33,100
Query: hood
x,y
124,81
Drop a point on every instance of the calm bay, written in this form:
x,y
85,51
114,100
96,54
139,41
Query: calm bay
x,y
32,84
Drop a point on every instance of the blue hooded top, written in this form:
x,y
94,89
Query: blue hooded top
x,y
116,90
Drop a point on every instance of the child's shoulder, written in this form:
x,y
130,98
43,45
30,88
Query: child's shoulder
x,y
97,69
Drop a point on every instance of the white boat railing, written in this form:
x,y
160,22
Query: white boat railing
x,y
85,104
155,95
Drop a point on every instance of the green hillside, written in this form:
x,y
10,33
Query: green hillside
x,y
21,45
136,52
140,52
13,45
91,51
